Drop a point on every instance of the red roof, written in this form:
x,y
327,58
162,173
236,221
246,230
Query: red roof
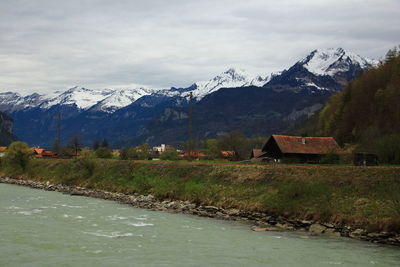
x,y
3,148
255,153
49,153
194,154
39,151
306,145
228,153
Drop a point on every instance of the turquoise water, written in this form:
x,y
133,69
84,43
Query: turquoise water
x,y
40,228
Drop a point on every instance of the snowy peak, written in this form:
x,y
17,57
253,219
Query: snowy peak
x,y
228,79
120,98
83,98
331,61
13,101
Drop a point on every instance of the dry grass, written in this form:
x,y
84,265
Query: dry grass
x,y
364,196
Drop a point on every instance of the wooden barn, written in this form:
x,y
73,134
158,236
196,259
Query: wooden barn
x,y
299,149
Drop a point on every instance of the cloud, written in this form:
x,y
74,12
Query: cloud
x,y
53,45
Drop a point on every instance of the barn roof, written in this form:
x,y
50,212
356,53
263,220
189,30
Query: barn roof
x,y
305,145
255,153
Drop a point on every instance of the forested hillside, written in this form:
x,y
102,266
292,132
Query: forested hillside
x,y
367,111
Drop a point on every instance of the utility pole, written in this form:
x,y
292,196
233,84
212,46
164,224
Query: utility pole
x,y
57,140
190,141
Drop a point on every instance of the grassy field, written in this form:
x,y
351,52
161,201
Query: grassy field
x,y
367,197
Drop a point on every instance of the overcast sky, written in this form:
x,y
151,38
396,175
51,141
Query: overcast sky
x,y
48,45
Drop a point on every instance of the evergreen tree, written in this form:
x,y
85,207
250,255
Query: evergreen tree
x,y
96,144
105,143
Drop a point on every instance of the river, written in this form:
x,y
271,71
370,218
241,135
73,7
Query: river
x,y
42,228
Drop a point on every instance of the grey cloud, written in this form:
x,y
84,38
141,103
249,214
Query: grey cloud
x,y
53,45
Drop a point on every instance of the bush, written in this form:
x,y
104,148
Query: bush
x,y
141,152
103,153
298,196
169,155
388,148
86,160
123,154
18,155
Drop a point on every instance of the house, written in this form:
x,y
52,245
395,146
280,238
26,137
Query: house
x,y
49,154
299,149
258,155
38,152
228,154
42,153
195,155
158,150
3,150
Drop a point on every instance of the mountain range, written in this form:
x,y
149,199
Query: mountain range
x,y
258,105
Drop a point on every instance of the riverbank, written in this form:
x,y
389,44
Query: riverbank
x,y
266,196
263,220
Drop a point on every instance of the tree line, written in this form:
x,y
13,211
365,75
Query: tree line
x,y
367,111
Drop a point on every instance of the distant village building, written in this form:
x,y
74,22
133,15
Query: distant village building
x,y
159,149
42,153
194,155
228,154
299,149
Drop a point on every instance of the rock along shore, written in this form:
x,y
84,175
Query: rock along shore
x,y
262,221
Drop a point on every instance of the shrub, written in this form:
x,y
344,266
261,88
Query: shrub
x,y
169,155
123,154
388,148
103,153
86,160
297,196
18,155
141,152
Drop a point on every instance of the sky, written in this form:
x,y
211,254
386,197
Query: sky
x,y
53,45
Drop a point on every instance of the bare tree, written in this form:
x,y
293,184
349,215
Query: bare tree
x,y
76,143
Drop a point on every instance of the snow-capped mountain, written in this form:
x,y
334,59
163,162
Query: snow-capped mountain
x,y
334,60
10,101
110,100
83,98
120,98
228,79
322,70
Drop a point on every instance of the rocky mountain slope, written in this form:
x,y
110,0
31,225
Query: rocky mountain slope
x,y
6,126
